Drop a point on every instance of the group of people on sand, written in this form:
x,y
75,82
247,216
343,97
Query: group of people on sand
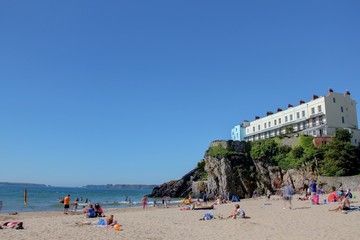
x,y
93,211
237,213
165,201
314,191
341,197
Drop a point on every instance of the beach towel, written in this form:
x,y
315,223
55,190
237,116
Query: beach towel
x,y
353,209
102,222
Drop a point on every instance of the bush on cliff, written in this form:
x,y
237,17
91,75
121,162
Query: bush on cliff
x,y
220,152
340,158
200,168
265,150
337,158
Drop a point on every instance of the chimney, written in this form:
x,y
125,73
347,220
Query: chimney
x,y
279,110
269,113
314,97
289,106
301,102
257,117
347,92
330,91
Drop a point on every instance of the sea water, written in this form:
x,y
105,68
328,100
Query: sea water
x,y
46,198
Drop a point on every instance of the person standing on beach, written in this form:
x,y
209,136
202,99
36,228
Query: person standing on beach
x,y
75,205
164,201
144,201
313,188
205,200
66,204
288,192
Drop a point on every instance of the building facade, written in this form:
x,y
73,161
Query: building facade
x,y
320,117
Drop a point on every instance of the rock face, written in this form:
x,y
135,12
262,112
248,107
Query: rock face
x,y
234,173
175,188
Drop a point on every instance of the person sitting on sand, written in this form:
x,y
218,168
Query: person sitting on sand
x,y
333,197
238,212
84,210
110,221
91,212
348,193
344,205
99,211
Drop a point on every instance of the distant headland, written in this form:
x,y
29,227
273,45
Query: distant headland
x,y
122,186
115,186
22,184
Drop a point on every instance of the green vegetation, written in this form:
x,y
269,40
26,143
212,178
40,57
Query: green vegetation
x,y
265,150
201,170
337,158
219,151
340,159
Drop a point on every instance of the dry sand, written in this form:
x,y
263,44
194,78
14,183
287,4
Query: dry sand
x,y
268,221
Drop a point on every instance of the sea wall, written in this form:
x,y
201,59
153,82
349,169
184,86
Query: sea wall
x,y
352,182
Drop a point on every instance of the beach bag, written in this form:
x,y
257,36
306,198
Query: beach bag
x,y
316,199
101,222
208,216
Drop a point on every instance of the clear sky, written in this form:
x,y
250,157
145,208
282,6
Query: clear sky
x,y
133,92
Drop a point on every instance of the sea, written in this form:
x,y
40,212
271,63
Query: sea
x,y
46,198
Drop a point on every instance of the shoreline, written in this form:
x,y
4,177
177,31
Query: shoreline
x,y
268,220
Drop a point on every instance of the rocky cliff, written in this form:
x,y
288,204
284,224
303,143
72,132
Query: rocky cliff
x,y
233,172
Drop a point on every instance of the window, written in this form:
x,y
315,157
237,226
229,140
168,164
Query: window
x,y
319,108
320,120
259,127
269,124
253,129
286,118
291,117
264,125
342,109
297,115
343,119
314,122
279,120
275,122
312,110
334,100
303,113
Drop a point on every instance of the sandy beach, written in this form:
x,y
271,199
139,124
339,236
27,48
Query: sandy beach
x,y
268,221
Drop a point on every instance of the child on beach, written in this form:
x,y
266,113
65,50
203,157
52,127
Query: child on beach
x,y
238,213
110,221
144,201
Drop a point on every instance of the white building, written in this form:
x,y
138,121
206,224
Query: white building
x,y
321,116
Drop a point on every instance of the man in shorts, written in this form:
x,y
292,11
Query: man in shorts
x,y
66,204
287,195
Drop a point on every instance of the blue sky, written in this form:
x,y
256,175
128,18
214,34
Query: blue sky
x,y
97,92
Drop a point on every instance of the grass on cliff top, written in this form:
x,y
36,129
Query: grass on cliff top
x,y
220,152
